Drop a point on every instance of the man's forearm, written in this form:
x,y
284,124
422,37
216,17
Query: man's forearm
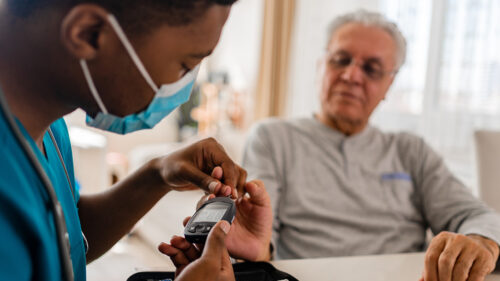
x,y
108,216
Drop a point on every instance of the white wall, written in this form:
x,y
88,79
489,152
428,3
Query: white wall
x,y
238,52
308,45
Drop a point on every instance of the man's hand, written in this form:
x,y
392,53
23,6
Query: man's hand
x,y
456,257
250,235
213,264
192,168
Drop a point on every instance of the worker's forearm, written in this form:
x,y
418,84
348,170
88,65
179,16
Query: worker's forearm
x,y
107,216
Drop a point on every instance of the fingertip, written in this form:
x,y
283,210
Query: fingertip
x,y
227,190
161,245
166,249
217,172
185,221
251,186
213,186
253,190
225,226
215,243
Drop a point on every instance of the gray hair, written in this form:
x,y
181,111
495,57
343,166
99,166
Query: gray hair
x,y
376,20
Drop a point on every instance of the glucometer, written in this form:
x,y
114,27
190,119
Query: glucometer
x,y
211,212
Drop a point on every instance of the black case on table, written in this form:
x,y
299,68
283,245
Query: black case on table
x,y
246,271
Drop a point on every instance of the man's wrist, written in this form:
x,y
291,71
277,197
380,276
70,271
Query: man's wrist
x,y
489,244
267,254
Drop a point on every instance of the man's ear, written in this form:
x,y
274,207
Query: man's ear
x,y
389,86
82,28
392,78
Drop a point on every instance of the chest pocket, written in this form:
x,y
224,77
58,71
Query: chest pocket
x,y
400,195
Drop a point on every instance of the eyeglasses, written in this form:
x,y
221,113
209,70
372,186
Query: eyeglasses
x,y
372,68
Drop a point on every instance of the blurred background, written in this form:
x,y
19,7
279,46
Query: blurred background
x,y
267,65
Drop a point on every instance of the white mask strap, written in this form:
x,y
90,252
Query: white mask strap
x,y
128,46
92,87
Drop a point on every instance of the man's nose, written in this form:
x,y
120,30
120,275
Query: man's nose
x,y
353,73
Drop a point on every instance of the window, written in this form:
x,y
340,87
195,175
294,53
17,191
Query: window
x,y
407,92
450,85
470,65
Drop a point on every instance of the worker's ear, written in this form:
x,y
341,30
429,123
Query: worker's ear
x,y
84,29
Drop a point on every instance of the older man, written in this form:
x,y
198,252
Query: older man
x,y
342,187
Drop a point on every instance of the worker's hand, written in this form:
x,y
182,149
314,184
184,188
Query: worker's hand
x,y
192,167
212,264
456,257
250,235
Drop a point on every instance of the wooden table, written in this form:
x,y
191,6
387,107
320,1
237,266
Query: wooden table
x,y
400,267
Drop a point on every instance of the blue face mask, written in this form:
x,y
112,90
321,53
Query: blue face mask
x,y
167,98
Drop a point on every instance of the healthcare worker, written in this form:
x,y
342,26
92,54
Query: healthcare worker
x,y
127,64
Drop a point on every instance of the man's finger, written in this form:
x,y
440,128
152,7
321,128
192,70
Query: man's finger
x,y
463,265
241,181
478,271
257,192
447,259
431,259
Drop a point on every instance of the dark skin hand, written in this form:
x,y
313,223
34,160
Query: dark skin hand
x,y
137,194
212,264
248,239
187,169
42,80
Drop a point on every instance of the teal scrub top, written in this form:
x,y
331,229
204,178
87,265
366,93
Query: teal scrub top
x,y
28,246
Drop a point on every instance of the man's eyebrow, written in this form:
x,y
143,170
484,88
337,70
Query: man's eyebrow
x,y
201,55
375,60
338,52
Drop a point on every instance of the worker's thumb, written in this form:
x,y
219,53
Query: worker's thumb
x,y
216,244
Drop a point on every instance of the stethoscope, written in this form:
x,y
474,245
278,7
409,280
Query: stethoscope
x,y
60,222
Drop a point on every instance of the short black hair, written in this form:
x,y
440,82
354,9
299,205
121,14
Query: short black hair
x,y
133,14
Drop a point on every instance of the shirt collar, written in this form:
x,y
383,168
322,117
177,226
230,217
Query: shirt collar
x,y
360,139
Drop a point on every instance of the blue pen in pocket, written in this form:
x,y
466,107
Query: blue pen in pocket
x,y
396,176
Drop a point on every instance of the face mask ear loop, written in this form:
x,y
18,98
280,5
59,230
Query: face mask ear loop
x,y
128,46
92,87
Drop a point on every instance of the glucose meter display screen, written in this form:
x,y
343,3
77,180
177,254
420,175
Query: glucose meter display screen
x,y
212,213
